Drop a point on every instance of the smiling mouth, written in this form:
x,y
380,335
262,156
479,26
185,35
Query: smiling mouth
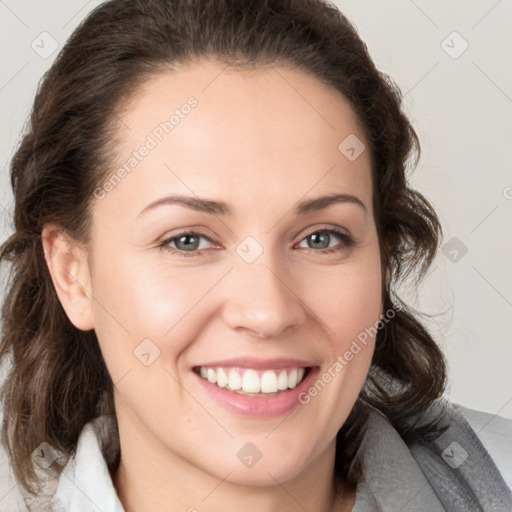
x,y
251,382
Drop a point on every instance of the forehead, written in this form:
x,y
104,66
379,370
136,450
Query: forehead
x,y
270,134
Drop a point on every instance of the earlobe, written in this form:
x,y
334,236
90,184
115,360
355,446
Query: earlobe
x,y
68,266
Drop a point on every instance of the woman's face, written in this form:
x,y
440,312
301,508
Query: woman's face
x,y
253,290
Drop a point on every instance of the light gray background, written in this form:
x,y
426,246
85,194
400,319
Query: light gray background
x,y
461,106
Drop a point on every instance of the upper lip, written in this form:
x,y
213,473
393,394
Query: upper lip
x,y
260,364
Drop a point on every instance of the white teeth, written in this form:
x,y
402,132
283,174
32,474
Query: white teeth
x,y
235,381
292,379
268,382
222,378
212,375
282,381
250,381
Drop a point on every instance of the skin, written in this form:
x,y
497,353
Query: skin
x,y
261,141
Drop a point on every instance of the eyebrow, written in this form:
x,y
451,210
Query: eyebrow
x,y
221,208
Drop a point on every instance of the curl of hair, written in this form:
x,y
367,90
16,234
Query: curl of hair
x,y
57,380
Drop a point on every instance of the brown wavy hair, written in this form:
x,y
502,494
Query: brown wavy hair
x,y
57,380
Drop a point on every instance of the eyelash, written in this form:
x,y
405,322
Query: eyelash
x,y
348,242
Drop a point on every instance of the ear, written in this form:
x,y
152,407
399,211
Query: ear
x,y
68,266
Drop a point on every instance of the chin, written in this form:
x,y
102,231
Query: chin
x,y
262,471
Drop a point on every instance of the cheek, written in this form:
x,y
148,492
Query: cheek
x,y
139,299
347,299
349,306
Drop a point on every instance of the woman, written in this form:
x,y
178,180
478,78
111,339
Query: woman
x,y
176,338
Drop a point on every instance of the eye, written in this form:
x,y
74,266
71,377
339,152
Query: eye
x,y
186,242
322,236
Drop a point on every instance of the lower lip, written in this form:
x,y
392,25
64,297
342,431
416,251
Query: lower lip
x,y
257,406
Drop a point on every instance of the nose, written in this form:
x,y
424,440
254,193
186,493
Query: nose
x,y
262,300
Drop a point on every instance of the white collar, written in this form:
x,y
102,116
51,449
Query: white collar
x,y
85,484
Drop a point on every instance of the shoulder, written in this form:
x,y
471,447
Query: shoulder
x,y
431,454
495,433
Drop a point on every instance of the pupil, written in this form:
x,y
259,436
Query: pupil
x,y
185,237
316,236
